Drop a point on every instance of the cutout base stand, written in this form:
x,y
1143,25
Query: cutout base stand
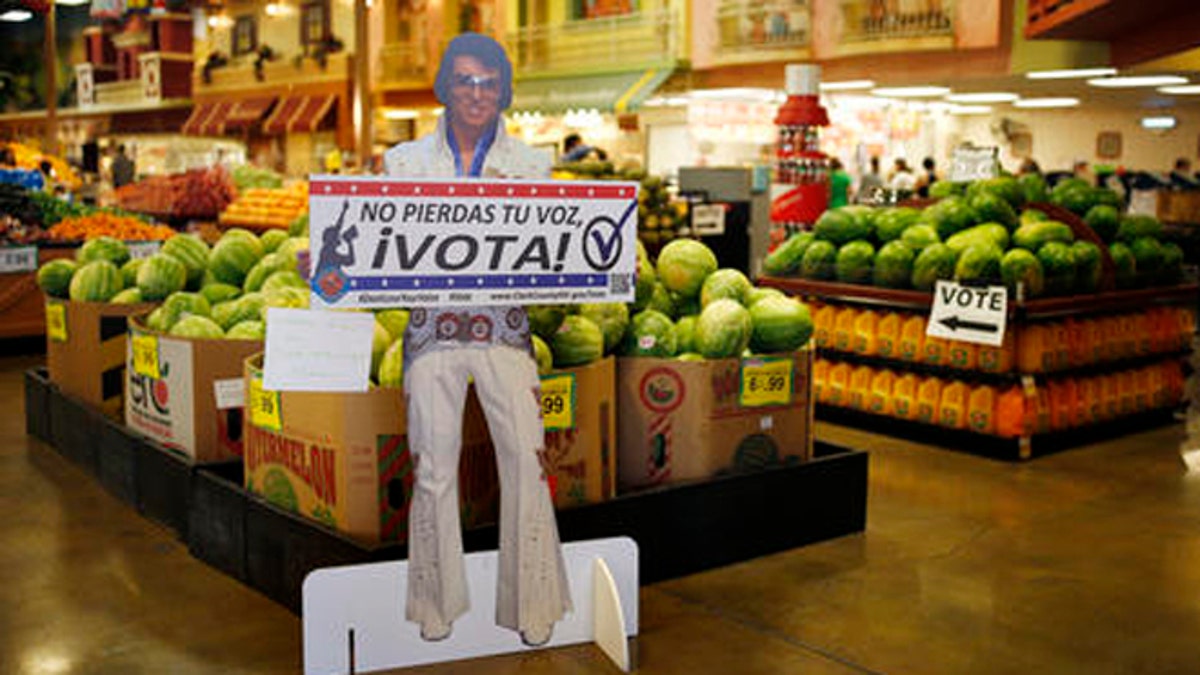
x,y
354,615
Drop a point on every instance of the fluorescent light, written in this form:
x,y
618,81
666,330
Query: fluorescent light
x,y
970,109
72,3
1163,122
847,85
395,114
1181,90
911,92
734,94
1061,102
16,15
1070,74
983,97
1137,81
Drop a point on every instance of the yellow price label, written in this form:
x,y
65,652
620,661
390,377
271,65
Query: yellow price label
x,y
558,402
145,355
264,407
766,382
56,321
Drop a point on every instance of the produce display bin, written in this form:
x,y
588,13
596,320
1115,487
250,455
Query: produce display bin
x,y
22,305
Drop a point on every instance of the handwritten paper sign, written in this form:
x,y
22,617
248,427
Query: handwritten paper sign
x,y
388,242
309,350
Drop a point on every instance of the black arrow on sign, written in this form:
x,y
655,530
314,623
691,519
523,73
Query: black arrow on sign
x,y
954,323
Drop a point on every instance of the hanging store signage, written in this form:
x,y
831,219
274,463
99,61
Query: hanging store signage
x,y
968,313
388,242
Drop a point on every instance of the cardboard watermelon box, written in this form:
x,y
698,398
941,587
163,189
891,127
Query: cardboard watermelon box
x,y
579,412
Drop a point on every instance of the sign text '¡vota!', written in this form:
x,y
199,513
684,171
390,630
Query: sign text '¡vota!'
x,y
314,464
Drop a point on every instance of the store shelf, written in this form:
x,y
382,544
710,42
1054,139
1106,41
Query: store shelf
x,y
851,293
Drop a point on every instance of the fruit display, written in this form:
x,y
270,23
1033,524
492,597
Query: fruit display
x,y
263,208
105,224
31,159
198,193
686,308
247,176
987,231
660,217
14,232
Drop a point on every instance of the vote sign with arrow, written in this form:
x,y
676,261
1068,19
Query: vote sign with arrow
x,y
968,313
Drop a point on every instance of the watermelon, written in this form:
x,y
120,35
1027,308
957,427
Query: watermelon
x,y
890,224
96,281
194,327
154,321
819,261
1126,266
1104,221
978,262
1035,235
991,207
299,226
723,330
54,278
233,257
920,235
944,188
646,279
650,333
292,248
129,271
1133,227
380,341
988,233
779,325
935,262
251,307
685,334
577,342
855,262
103,248
611,317
541,353
284,279
287,297
1074,195
1105,197
683,265
272,240
394,320
950,215
1172,263
1029,216
240,234
725,284
844,224
159,276
268,265
1148,255
247,330
391,367
689,357
129,296
1006,187
684,306
661,300
192,252
1087,266
1034,187
893,265
544,320
182,304
785,259
219,292
1058,264
222,314
758,293
1020,266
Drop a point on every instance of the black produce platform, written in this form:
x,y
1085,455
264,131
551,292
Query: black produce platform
x,y
680,530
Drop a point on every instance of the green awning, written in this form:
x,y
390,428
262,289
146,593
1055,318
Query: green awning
x,y
613,92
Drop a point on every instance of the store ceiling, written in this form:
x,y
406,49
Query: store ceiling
x,y
1141,98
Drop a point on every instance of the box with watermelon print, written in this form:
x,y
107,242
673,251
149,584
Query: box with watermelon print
x,y
579,413
342,459
683,421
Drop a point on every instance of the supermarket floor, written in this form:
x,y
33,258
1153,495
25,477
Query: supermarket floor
x,y
1086,561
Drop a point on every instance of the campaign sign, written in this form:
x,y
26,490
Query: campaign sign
x,y
394,242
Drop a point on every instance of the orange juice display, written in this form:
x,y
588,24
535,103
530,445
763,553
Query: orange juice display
x,y
1143,329
1035,354
981,410
929,399
1060,346
936,351
1126,392
1086,393
1127,342
1062,403
997,359
912,338
820,381
880,401
1110,395
1011,416
1079,352
1041,420
904,397
1096,338
963,355
865,339
887,333
839,384
860,387
843,328
952,411
1143,395
823,317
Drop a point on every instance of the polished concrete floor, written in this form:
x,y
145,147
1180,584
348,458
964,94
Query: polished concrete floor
x,y
1086,561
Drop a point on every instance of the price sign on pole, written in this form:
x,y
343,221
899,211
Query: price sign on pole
x,y
766,381
558,402
14,260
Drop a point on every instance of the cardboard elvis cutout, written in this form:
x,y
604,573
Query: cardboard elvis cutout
x,y
445,348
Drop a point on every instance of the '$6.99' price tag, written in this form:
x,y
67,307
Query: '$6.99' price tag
x,y
766,382
558,402
145,355
264,407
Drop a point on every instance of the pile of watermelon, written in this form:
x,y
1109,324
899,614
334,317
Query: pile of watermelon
x,y
983,231
685,308
217,292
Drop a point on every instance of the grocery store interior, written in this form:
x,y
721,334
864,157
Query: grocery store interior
x,y
903,376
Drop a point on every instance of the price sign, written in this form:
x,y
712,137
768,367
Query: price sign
x,y
766,382
264,407
143,249
971,163
708,219
18,259
145,355
56,321
558,402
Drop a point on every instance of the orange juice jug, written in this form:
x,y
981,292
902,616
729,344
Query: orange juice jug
x,y
912,338
1110,331
997,359
1143,333
839,384
887,333
963,355
1110,396
1096,339
843,328
1128,337
1158,387
1010,413
1078,349
1062,403
936,352
1042,423
820,381
823,319
981,410
904,397
1143,395
1174,381
865,340
1091,401
1126,392
1060,344
952,411
929,399
1035,355
1187,327
1161,322
860,387
880,401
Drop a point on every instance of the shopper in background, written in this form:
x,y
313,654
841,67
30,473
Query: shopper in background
x,y
123,168
1029,166
1082,171
870,182
928,177
839,184
7,159
903,179
575,150
1181,176
447,347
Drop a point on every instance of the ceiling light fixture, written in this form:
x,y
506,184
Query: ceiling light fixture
x,y
983,97
1079,73
1181,90
911,92
16,15
1132,81
1059,102
1159,123
847,85
395,114
72,3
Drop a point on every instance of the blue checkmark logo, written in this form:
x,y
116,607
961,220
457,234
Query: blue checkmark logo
x,y
602,243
